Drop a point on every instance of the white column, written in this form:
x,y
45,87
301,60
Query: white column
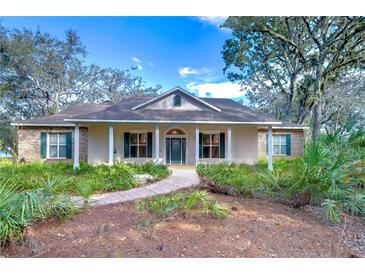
x,y
111,145
269,148
76,147
229,145
157,144
196,145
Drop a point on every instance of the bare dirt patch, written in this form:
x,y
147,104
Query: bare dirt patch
x,y
257,228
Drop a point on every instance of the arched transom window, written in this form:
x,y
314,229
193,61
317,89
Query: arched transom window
x,y
175,131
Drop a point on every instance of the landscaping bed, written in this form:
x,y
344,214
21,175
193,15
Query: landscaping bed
x,y
255,228
85,181
30,193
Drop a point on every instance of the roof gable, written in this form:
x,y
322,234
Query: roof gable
x,y
189,102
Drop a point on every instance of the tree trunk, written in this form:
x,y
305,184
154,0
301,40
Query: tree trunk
x,y
316,119
289,104
317,103
288,111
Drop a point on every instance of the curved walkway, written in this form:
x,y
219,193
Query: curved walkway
x,y
181,177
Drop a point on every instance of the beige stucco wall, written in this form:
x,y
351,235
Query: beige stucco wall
x,y
248,142
98,144
297,142
244,142
29,142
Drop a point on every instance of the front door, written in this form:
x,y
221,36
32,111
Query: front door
x,y
175,151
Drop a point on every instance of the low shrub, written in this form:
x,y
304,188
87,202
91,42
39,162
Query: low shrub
x,y
165,205
18,209
197,198
31,176
331,173
252,180
331,209
157,170
239,179
40,191
116,177
217,210
288,167
85,188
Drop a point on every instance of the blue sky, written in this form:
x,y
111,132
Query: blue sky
x,y
170,51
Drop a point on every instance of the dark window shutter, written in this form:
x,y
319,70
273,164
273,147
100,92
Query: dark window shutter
x,y
43,145
200,145
288,144
168,159
183,145
69,145
149,144
267,143
222,146
126,144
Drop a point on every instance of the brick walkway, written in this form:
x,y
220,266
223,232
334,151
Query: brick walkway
x,y
181,177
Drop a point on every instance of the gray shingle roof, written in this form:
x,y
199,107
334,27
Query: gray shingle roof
x,y
70,112
231,111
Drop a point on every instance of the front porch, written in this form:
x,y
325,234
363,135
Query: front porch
x,y
172,144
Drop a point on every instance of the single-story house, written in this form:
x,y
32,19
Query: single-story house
x,y
175,127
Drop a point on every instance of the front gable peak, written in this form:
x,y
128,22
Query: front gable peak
x,y
176,99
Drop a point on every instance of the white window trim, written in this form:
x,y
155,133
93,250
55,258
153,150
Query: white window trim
x,y
58,146
211,145
282,136
138,145
136,131
211,131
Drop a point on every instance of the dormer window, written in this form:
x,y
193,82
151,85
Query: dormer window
x,y
177,101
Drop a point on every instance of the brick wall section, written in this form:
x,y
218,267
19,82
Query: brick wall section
x,y
29,142
297,142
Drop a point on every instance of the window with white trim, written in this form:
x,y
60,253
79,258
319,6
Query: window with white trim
x,y
211,145
279,144
56,148
138,145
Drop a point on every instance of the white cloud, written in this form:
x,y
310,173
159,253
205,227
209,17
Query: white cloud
x,y
185,71
189,71
217,90
213,20
139,67
135,59
150,64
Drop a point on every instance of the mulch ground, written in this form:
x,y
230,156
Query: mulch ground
x,y
257,228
